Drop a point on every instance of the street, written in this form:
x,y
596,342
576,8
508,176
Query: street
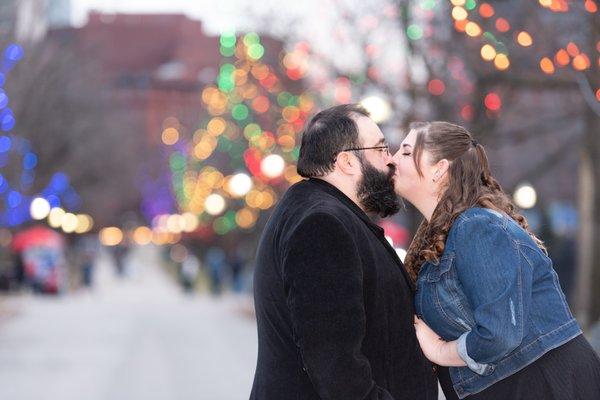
x,y
138,338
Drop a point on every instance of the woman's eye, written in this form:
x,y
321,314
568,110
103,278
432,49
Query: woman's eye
x,y
406,154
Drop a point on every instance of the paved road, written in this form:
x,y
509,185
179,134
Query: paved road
x,y
128,340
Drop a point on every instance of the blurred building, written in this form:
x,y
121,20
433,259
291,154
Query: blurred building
x,y
155,64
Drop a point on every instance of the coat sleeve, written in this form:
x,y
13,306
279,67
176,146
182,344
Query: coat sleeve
x,y
322,273
498,287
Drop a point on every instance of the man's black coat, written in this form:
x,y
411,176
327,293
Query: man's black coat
x,y
334,306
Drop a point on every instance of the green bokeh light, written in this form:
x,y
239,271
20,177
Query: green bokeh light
x,y
252,130
177,161
283,99
227,51
224,144
429,4
239,112
251,38
414,32
256,51
228,39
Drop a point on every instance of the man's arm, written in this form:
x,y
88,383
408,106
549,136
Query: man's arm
x,y
322,274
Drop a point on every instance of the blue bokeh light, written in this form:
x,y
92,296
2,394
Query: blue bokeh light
x,y
14,198
5,144
30,161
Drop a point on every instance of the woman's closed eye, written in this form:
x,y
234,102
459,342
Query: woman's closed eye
x,y
406,154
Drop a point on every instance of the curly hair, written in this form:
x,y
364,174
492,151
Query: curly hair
x,y
469,184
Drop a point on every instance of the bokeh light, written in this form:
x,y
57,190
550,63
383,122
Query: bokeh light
x,y
272,166
111,236
40,208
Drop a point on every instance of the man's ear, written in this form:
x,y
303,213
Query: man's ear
x,y
347,163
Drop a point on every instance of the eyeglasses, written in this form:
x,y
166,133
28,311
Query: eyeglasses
x,y
386,148
382,149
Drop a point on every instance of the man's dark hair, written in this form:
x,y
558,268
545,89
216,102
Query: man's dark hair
x,y
327,133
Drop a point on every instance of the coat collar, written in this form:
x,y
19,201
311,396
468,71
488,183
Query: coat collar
x,y
337,193
376,229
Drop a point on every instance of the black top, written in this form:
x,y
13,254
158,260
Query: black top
x,y
569,372
333,305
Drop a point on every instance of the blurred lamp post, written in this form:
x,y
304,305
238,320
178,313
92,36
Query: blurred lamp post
x,y
378,107
240,184
215,204
40,208
272,166
525,196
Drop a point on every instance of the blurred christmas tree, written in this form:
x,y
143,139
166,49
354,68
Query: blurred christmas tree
x,y
242,154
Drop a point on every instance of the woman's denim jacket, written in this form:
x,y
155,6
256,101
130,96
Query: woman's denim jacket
x,y
495,292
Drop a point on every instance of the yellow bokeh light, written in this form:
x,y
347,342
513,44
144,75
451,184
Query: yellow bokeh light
x,y
111,236
501,62
488,53
142,235
69,223
203,150
216,126
190,222
160,237
459,13
472,29
524,39
287,142
268,200
55,217
85,223
254,198
245,218
170,136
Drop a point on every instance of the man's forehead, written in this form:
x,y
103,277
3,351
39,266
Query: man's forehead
x,y
368,130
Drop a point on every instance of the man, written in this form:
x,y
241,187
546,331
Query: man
x,y
333,302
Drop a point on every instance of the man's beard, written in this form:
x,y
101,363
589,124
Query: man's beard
x,y
375,191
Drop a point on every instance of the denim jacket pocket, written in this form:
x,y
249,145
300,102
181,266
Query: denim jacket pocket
x,y
437,271
450,302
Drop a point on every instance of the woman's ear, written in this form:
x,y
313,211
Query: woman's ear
x,y
441,167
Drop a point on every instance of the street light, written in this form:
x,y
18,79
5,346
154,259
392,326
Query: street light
x,y
40,208
272,166
525,196
240,184
215,204
378,107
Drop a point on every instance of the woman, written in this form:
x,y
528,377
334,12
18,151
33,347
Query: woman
x,y
485,285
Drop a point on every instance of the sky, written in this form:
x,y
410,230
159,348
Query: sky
x,y
217,16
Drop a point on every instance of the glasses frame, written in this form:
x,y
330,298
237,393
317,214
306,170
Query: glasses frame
x,y
387,147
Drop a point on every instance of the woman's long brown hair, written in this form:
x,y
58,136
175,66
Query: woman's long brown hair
x,y
469,184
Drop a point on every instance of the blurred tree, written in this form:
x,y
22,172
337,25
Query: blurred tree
x,y
61,108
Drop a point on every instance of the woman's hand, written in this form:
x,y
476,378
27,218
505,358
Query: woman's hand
x,y
436,349
429,340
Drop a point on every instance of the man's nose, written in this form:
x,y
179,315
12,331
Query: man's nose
x,y
389,158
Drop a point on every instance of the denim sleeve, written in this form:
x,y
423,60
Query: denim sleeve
x,y
322,274
498,286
